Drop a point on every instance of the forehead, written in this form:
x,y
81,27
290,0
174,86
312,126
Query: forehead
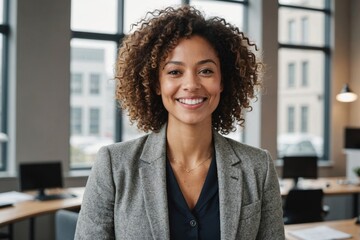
x,y
193,47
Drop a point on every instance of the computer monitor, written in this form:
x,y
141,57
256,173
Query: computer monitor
x,y
296,167
40,176
352,138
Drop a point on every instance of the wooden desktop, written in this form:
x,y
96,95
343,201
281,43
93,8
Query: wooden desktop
x,y
33,208
27,209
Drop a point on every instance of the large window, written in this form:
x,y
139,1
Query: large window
x,y
93,54
4,30
308,49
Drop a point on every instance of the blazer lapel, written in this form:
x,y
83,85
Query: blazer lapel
x,y
153,182
230,187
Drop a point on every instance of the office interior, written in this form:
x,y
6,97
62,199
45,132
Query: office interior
x,y
39,90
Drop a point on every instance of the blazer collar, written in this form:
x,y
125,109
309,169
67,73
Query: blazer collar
x,y
153,181
230,185
153,178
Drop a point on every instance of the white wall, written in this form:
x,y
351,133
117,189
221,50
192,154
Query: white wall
x,y
39,79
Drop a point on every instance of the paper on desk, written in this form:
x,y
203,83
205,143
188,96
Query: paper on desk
x,y
319,233
14,197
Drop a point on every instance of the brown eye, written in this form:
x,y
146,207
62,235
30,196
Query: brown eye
x,y
174,72
206,71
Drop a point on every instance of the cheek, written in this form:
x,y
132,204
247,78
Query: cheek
x,y
216,88
167,88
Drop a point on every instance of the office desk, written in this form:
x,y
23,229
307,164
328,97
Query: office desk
x,y
30,209
330,186
347,226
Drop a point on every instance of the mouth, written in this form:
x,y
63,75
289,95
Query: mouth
x,y
191,101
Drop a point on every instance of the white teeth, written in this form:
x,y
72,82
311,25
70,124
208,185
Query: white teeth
x,y
191,101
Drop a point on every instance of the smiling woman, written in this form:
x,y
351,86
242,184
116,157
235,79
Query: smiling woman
x,y
186,79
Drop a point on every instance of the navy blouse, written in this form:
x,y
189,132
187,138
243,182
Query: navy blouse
x,y
203,221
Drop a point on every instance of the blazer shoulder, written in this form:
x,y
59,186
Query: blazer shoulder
x,y
246,149
129,145
123,152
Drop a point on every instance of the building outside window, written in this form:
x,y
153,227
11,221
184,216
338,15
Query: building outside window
x,y
76,120
291,30
291,75
94,121
304,119
304,74
291,119
304,30
76,83
94,83
307,47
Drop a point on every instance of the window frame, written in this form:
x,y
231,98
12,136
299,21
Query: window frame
x,y
4,31
326,50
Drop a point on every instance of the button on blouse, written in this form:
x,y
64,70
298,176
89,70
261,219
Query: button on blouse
x,y
202,222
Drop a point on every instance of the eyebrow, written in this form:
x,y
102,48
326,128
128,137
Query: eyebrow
x,y
198,63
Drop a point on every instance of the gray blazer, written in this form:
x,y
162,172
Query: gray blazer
x,y
126,198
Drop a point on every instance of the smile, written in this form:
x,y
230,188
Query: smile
x,y
191,101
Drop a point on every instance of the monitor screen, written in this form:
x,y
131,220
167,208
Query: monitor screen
x,y
352,138
300,167
41,175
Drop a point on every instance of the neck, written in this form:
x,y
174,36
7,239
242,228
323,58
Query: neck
x,y
189,144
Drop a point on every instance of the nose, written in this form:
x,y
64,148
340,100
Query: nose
x,y
191,82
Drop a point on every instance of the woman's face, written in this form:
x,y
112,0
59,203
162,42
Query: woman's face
x,y
190,82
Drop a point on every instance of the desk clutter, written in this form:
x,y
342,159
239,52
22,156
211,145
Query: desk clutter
x,y
7,199
320,233
339,229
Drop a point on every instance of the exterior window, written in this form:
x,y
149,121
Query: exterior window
x,y
76,121
304,119
304,73
76,83
93,60
94,127
291,75
304,41
291,31
291,119
94,84
304,30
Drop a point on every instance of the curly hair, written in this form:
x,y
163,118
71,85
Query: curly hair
x,y
137,67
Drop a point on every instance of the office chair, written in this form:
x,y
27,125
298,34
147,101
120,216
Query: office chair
x,y
9,234
304,205
65,224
